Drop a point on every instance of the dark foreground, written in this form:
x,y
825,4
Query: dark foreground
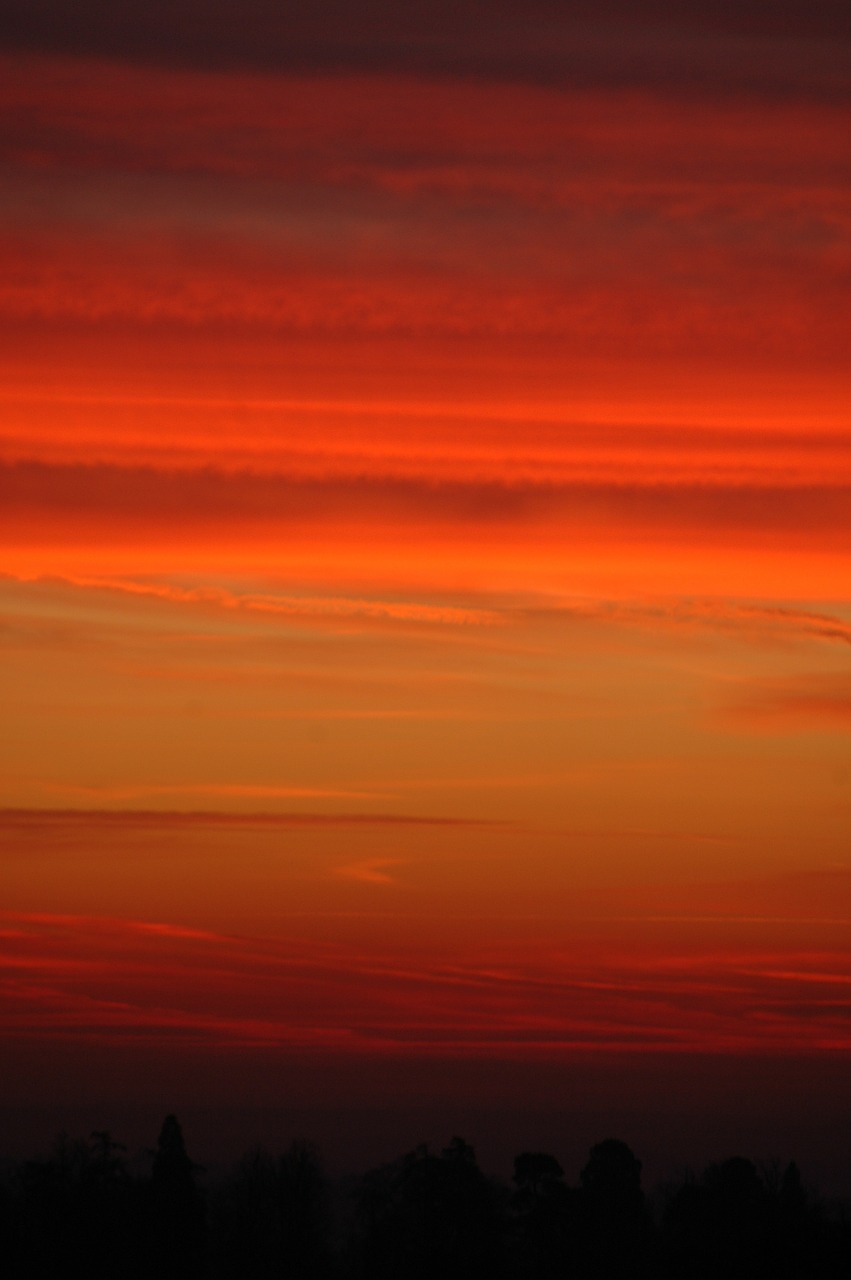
x,y
425,1215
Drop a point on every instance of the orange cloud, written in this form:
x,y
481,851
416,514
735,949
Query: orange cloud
x,y
370,870
821,700
461,440
36,495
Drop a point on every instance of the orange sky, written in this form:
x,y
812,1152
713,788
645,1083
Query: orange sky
x,y
425,511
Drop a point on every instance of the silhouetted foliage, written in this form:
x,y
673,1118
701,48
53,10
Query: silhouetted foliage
x,y
77,1203
425,1216
247,1232
428,1215
615,1226
717,1223
271,1217
304,1206
545,1216
613,1174
735,1221
177,1212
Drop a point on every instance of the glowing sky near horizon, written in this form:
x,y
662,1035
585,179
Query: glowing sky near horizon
x,y
425,512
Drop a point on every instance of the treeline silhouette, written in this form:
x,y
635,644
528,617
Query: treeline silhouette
x,y
425,1216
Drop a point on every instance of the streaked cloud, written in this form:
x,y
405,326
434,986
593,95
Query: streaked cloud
x,y
371,870
752,49
694,1003
157,817
816,700
425,474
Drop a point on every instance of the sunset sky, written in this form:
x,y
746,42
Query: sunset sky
x,y
425,586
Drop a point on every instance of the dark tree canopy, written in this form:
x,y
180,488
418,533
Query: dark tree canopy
x,y
425,1216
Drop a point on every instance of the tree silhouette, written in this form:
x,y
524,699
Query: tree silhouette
x,y
247,1225
426,1216
177,1214
304,1211
544,1217
615,1225
429,1215
77,1203
736,1222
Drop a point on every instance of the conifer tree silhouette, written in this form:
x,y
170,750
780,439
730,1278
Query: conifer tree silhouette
x,y
177,1215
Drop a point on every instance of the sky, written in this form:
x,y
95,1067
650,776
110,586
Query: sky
x,y
425,565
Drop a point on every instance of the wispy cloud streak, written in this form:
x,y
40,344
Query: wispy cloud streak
x,y
172,979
